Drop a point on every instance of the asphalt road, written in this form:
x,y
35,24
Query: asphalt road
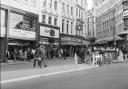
x,y
114,76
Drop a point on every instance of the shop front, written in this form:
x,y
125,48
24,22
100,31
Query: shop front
x,y
49,36
71,43
18,30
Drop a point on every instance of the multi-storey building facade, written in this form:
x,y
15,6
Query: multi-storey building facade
x,y
27,23
124,33
72,15
19,23
91,22
49,22
109,20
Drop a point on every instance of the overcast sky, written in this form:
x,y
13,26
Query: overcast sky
x,y
89,4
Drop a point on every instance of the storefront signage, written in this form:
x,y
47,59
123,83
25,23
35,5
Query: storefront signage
x,y
125,13
22,34
49,32
71,39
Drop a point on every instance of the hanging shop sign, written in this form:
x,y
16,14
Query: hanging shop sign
x,y
125,13
49,32
22,34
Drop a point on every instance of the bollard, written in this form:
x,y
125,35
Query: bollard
x,y
76,59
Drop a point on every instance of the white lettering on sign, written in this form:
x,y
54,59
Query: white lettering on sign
x,y
49,32
125,13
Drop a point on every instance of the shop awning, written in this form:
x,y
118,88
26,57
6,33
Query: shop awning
x,y
123,33
70,43
18,44
75,43
105,40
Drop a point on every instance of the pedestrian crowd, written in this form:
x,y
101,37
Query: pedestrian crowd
x,y
20,54
109,55
97,55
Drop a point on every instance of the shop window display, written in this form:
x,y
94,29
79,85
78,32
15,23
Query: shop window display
x,y
23,22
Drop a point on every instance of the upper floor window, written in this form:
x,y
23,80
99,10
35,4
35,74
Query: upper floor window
x,y
71,27
82,2
43,3
55,21
62,25
50,20
82,15
76,12
50,4
55,5
79,13
72,11
76,1
67,9
67,26
63,7
43,18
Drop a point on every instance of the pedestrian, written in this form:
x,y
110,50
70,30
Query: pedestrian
x,y
32,53
125,53
25,55
65,53
7,55
61,52
120,56
20,54
43,55
14,55
37,57
29,54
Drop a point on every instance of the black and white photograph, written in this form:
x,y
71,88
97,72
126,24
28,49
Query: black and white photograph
x,y
63,44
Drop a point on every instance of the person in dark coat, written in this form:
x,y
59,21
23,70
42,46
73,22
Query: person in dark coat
x,y
37,57
65,54
43,55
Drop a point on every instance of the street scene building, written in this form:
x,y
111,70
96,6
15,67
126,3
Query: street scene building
x,y
64,44
110,22
53,23
19,25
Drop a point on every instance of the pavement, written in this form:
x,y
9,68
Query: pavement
x,y
55,67
21,65
11,62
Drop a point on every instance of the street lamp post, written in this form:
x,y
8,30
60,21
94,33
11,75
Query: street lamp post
x,y
79,27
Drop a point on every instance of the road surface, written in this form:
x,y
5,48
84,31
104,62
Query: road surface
x,y
113,76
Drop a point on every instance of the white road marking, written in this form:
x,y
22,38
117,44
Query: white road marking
x,y
43,75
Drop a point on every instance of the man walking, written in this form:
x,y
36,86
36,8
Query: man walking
x,y
37,57
43,55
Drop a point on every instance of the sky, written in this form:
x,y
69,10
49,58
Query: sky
x,y
89,4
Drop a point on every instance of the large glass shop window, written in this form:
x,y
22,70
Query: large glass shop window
x,y
19,21
2,18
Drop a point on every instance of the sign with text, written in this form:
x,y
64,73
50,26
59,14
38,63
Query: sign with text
x,y
18,33
49,32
